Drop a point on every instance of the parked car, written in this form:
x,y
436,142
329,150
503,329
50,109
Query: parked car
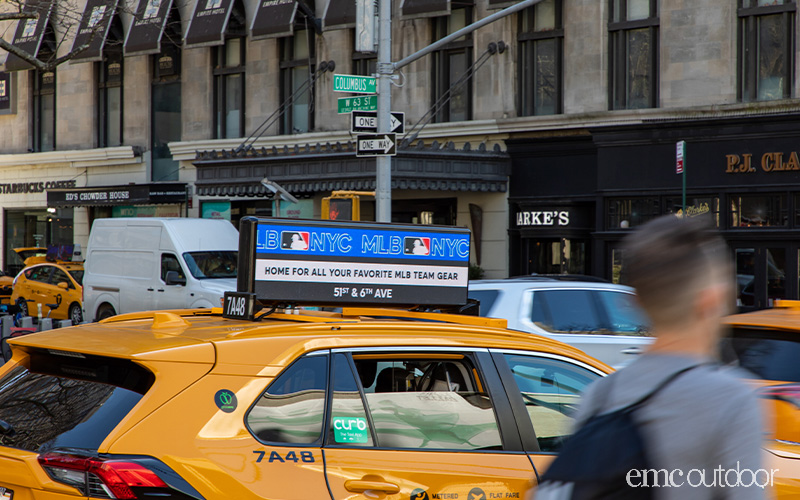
x,y
141,264
602,319
56,286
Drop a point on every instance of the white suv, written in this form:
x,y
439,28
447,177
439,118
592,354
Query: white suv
x,y
601,319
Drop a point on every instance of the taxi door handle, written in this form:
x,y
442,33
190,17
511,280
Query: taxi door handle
x,y
360,486
632,350
150,289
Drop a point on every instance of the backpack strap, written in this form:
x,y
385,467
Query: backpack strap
x,y
636,404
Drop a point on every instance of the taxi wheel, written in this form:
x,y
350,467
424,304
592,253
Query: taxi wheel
x,y
75,314
23,306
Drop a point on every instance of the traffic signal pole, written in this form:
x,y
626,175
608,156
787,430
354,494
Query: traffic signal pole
x,y
383,182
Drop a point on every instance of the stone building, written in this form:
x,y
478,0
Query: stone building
x,y
550,145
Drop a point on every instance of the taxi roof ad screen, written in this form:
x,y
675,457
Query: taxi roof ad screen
x,y
364,263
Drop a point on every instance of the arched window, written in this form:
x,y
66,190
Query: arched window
x,y
229,61
109,88
44,97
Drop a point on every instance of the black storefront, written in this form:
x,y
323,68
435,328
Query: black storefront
x,y
573,199
436,179
157,199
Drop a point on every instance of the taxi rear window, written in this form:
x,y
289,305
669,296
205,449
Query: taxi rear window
x,y
67,400
767,354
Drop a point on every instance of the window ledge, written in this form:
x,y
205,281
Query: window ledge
x,y
81,158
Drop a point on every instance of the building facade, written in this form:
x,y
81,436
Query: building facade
x,y
550,133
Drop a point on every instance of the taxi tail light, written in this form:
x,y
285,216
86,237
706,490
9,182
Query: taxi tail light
x,y
788,392
99,478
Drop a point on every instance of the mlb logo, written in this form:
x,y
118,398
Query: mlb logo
x,y
294,240
416,245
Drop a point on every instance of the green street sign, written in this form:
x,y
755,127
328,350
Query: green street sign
x,y
354,83
363,103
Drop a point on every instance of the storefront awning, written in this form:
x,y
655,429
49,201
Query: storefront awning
x,y
208,23
339,14
93,30
324,168
424,8
30,33
274,18
144,35
132,194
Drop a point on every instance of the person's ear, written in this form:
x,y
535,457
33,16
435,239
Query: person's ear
x,y
712,302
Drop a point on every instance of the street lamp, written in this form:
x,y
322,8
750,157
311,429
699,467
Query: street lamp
x,y
278,193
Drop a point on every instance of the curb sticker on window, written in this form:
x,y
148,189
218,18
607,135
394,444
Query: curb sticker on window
x,y
226,400
350,430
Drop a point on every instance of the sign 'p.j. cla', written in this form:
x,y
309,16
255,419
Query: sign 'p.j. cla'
x,y
769,162
305,261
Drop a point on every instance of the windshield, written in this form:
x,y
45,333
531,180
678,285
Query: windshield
x,y
68,401
212,264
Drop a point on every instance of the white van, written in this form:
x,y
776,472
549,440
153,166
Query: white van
x,y
143,264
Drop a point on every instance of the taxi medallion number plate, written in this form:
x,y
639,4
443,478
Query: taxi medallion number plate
x,y
6,494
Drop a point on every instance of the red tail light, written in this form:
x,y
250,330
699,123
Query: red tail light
x,y
788,392
99,478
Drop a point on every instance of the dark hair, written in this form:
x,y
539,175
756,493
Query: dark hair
x,y
668,259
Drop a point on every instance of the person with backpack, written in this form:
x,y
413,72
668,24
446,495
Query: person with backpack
x,y
672,424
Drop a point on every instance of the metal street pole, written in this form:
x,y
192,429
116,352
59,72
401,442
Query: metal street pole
x,y
383,183
383,163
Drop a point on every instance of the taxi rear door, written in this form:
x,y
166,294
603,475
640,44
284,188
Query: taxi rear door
x,y
421,424
544,390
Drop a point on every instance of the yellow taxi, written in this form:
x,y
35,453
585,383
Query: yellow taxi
x,y
362,404
766,344
35,254
377,399
57,286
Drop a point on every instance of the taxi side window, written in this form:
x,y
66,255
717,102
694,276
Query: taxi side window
x,y
40,273
428,403
348,424
292,408
551,390
60,276
565,311
169,262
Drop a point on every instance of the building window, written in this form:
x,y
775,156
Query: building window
x,y
758,211
633,49
229,61
109,89
44,98
541,36
297,68
624,213
166,102
701,206
44,111
766,49
451,83
229,64
364,63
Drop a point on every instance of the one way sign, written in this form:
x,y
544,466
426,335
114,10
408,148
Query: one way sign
x,y
376,145
367,121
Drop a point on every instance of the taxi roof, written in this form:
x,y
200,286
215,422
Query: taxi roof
x,y
238,346
784,316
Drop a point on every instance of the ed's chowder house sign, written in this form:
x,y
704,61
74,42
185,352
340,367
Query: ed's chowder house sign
x,y
543,218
